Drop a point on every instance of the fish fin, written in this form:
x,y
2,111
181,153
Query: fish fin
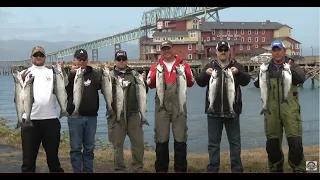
x,y
18,125
264,111
285,101
145,122
63,114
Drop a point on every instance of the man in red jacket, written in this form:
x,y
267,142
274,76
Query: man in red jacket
x,y
170,110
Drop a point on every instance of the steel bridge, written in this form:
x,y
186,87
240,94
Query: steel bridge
x,y
148,22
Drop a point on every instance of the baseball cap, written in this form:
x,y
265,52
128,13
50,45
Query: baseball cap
x,y
121,55
38,49
278,43
166,44
81,53
223,44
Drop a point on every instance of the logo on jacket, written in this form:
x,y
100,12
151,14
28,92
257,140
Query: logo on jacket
x,y
48,78
87,82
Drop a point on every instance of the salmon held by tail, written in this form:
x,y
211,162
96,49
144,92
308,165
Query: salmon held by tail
x,y
78,88
28,100
213,83
182,89
264,87
160,84
286,82
231,90
119,99
59,89
106,89
18,96
142,98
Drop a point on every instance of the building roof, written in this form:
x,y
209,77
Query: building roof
x,y
214,43
173,42
268,42
177,20
169,34
209,26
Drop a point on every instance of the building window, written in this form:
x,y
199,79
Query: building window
x,y
195,26
220,31
213,32
169,30
256,39
173,38
249,39
189,56
158,47
241,47
201,38
164,30
257,31
213,38
289,31
192,34
228,31
242,31
263,39
208,38
235,31
166,23
297,46
180,38
189,46
249,31
248,46
242,39
256,46
235,38
263,31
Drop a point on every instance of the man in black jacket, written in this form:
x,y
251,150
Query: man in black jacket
x,y
82,129
221,115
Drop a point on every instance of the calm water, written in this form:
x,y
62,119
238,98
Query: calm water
x,y
252,131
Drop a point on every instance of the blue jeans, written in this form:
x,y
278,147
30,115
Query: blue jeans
x,y
82,131
215,127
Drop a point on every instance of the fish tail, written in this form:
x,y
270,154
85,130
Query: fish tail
x,y
28,123
145,122
285,101
210,110
75,113
232,113
18,125
63,114
265,111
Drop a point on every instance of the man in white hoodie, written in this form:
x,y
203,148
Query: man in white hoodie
x,y
46,125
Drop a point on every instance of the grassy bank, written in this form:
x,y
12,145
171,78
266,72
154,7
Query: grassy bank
x,y
253,160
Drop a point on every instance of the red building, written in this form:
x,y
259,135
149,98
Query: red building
x,y
195,39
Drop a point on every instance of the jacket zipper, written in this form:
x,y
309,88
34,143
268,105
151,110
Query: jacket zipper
x,y
222,83
278,83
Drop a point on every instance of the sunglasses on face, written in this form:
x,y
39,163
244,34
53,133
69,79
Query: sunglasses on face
x,y
38,55
81,58
121,59
223,50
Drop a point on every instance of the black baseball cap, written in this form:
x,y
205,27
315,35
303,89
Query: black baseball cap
x,y
166,43
121,55
81,54
221,44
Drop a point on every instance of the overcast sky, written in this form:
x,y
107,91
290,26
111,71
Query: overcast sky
x,y
86,24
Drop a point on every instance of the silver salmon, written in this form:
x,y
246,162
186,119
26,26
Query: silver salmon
x,y
78,87
18,96
212,92
119,100
286,82
160,84
28,100
106,89
142,98
59,89
182,89
231,90
264,86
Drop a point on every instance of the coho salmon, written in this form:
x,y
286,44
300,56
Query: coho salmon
x,y
182,89
18,96
212,92
78,87
231,90
106,89
119,100
142,98
59,89
264,87
160,84
286,82
28,100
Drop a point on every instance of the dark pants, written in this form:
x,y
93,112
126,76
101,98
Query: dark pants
x,y
215,127
46,132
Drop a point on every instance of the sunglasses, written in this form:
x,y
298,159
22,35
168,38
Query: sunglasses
x,y
121,59
38,55
81,58
223,50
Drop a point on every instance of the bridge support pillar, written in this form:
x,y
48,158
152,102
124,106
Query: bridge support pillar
x,y
94,54
117,47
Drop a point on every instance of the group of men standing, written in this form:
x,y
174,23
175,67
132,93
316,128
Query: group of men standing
x,y
82,129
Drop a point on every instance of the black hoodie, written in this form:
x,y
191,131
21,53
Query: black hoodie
x,y
90,100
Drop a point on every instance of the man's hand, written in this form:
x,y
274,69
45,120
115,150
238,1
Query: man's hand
x,y
24,75
209,71
74,67
107,65
62,64
234,70
144,74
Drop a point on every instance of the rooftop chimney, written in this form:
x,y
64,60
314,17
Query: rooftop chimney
x,y
267,21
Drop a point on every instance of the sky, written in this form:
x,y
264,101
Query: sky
x,y
87,24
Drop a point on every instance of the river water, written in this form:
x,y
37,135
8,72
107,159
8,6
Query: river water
x,y
252,131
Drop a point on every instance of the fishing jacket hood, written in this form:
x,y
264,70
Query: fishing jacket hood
x,y
221,104
90,99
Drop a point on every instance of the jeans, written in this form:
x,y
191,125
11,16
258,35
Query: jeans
x,y
82,132
215,127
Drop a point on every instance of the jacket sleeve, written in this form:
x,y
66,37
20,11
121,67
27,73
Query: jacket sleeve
x,y
151,78
298,74
242,77
189,75
99,80
203,78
